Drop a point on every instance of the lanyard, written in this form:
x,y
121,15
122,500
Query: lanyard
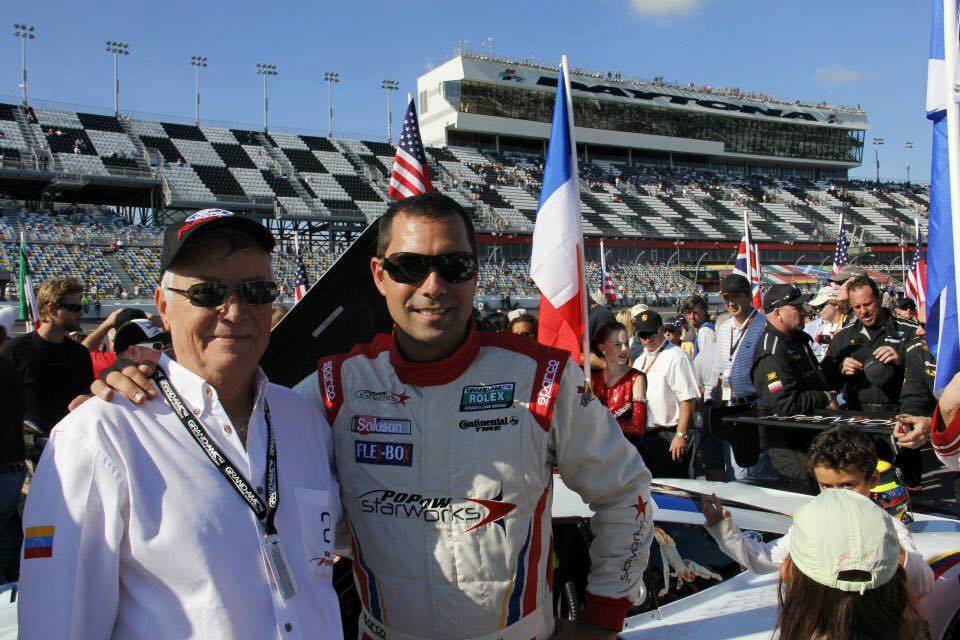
x,y
656,354
743,332
265,512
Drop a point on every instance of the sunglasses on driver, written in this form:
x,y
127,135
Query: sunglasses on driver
x,y
413,268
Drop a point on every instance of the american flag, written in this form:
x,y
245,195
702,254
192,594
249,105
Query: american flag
x,y
916,284
300,289
410,175
840,255
606,283
747,263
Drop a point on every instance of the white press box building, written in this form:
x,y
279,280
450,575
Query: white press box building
x,y
504,105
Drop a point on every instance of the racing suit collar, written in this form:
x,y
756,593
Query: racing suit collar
x,y
798,337
439,372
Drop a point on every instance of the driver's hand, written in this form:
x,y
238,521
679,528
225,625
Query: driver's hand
x,y
851,367
712,510
917,431
129,378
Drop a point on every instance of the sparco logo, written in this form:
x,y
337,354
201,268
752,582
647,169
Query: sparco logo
x,y
381,396
489,425
651,96
546,383
400,504
328,387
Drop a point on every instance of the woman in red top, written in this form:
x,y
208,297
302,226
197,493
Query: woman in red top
x,y
620,387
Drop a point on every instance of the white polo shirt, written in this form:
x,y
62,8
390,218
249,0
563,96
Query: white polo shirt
x,y
131,532
670,380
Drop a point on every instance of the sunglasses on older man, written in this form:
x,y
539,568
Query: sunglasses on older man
x,y
214,294
413,268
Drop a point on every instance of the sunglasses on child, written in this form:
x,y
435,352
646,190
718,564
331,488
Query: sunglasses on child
x,y
413,268
214,294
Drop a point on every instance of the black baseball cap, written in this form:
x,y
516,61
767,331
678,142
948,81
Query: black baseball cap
x,y
137,331
734,283
781,295
674,324
178,235
647,322
127,315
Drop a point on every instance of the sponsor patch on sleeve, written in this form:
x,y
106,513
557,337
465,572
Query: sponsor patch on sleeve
x,y
486,397
772,376
397,454
586,394
38,542
775,387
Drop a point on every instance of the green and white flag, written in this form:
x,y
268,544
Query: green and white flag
x,y
28,299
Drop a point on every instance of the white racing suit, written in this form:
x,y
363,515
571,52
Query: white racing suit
x,y
446,475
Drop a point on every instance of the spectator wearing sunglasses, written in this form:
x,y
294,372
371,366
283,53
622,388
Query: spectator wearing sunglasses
x,y
140,340
208,510
100,340
53,368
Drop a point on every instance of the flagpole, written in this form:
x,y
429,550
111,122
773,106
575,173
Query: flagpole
x,y
749,241
953,132
581,254
903,263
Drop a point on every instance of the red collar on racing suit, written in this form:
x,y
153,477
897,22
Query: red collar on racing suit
x,y
429,374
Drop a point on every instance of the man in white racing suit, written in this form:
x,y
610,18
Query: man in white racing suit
x,y
446,440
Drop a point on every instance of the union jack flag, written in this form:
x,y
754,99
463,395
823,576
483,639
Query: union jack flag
x,y
747,263
301,286
916,284
410,175
840,255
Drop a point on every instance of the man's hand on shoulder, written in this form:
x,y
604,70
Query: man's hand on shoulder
x,y
579,630
130,378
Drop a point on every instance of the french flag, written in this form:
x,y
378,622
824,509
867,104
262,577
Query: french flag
x,y
557,259
747,263
943,243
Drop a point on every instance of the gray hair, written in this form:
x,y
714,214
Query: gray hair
x,y
166,281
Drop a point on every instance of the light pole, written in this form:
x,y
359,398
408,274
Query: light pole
x,y
332,78
907,146
877,143
24,32
117,49
797,261
388,86
696,271
636,261
266,70
490,46
198,62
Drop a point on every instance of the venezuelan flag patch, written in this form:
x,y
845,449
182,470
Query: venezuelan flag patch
x,y
38,542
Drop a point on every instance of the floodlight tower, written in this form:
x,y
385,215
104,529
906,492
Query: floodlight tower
x,y
198,62
266,70
877,143
117,49
388,86
332,78
907,146
24,32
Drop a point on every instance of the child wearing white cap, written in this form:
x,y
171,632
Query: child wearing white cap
x,y
843,579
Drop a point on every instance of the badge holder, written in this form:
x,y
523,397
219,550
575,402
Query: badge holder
x,y
279,568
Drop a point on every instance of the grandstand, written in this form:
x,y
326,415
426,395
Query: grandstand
x,y
88,188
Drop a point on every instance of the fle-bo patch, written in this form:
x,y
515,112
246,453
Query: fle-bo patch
x,y
485,397
366,425
398,454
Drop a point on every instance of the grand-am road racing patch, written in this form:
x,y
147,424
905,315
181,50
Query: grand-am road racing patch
x,y
397,454
486,397
366,425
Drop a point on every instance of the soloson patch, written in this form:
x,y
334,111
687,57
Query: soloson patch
x,y
486,397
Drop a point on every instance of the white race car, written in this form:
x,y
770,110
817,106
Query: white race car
x,y
694,590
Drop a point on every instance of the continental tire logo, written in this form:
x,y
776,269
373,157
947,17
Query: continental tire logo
x,y
546,383
329,389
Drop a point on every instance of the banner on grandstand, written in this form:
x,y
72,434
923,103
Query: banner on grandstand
x,y
606,283
916,282
557,258
747,263
29,312
943,318
410,175
704,99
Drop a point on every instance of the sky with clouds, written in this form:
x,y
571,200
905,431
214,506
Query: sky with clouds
x,y
871,53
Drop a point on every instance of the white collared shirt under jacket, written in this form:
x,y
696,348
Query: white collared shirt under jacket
x,y
147,540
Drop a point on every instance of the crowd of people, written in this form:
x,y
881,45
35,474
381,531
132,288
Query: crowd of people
x,y
192,497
